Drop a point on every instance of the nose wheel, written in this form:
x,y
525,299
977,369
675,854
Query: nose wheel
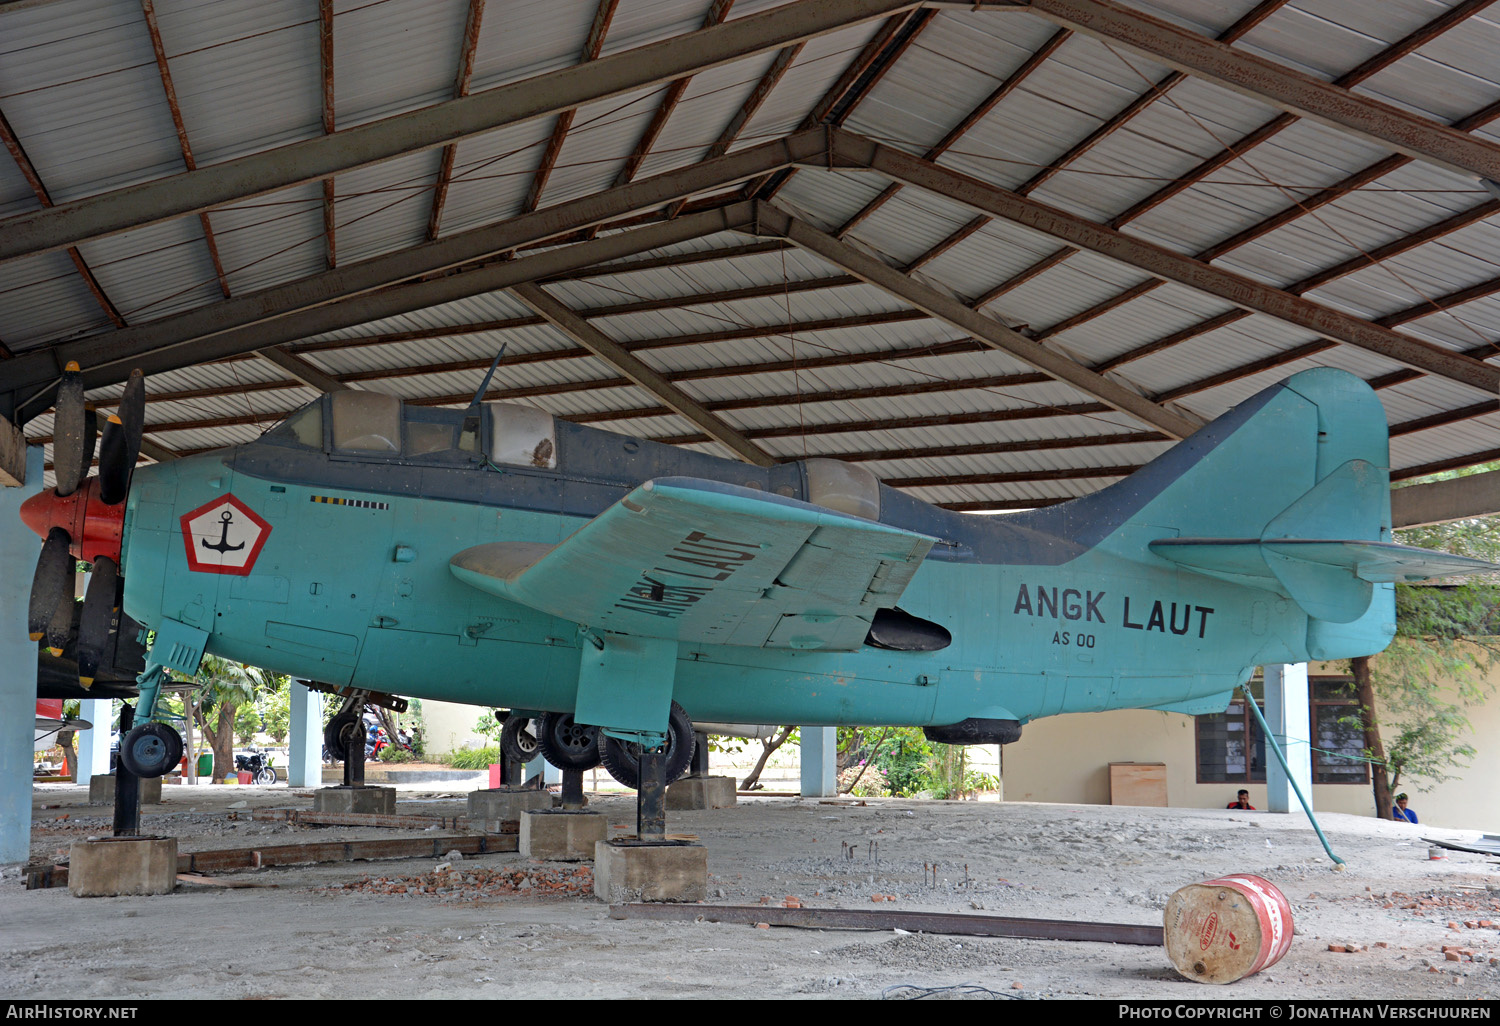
x,y
151,749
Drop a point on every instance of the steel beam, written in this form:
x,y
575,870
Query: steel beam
x,y
1459,498
612,353
302,370
107,358
1279,86
460,89
1164,263
432,127
773,220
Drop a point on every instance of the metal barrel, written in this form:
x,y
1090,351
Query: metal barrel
x,y
1223,930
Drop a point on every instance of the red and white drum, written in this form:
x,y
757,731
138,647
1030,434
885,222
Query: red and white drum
x,y
1226,929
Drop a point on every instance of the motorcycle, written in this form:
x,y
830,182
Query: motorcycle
x,y
257,763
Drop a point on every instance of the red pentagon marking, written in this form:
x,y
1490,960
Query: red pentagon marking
x,y
223,537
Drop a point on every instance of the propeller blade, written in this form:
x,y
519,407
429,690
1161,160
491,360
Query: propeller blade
x,y
122,442
68,431
99,607
90,439
60,627
54,572
114,472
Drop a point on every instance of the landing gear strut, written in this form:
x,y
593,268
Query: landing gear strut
x,y
623,759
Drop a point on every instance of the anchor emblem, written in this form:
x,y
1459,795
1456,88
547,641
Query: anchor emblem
x,y
222,545
206,535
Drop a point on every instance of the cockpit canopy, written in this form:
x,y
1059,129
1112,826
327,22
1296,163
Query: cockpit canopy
x,y
359,424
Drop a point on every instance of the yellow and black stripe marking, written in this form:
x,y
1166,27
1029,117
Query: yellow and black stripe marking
x,y
356,503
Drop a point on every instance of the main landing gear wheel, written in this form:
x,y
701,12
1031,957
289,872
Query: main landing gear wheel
x,y
566,744
340,730
518,741
623,758
151,749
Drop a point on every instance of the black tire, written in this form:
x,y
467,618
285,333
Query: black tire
x,y
151,750
266,776
517,743
566,744
337,734
623,758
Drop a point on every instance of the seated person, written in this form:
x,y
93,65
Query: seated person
x,y
1241,801
1400,813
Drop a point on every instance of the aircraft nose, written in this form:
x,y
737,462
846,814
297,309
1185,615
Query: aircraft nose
x,y
93,527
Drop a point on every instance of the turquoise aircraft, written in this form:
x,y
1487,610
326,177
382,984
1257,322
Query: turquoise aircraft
x,y
612,590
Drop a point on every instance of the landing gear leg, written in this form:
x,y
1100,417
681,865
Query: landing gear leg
x,y
152,748
346,733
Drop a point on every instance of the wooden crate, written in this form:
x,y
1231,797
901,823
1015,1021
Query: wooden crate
x,y
1138,783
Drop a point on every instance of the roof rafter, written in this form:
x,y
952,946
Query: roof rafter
x,y
1276,84
603,15
431,127
466,53
330,126
773,220
1161,262
639,373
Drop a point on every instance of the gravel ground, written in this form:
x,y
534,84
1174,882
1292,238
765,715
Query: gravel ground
x,y
503,926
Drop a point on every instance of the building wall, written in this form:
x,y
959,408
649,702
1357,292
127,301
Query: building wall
x,y
450,726
1066,759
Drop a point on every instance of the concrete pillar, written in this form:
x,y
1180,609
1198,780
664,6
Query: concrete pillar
x,y
820,762
305,763
93,744
18,551
1286,711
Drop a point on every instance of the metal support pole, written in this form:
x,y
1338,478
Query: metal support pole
x,y
700,755
651,797
127,786
572,790
354,758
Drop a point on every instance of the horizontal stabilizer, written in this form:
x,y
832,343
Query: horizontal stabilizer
x,y
1331,580
700,561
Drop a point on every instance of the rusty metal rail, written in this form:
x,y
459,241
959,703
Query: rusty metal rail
x,y
264,857
923,922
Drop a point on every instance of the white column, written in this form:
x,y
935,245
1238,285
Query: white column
x,y
19,549
819,762
1287,714
93,744
306,757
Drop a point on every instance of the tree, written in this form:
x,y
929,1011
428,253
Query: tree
x,y
1424,683
226,685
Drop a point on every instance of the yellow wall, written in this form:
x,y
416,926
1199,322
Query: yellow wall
x,y
1066,759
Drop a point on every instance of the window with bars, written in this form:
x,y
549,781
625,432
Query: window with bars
x,y
1232,749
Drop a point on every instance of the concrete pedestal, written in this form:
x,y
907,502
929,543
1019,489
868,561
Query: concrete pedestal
x,y
701,793
102,790
500,804
379,801
650,872
108,866
559,835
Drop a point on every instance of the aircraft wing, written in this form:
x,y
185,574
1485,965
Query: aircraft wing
x,y
700,561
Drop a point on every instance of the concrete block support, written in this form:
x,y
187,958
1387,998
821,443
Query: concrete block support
x,y
561,835
650,872
305,766
494,807
380,801
93,744
701,793
102,789
1286,710
820,762
18,551
108,866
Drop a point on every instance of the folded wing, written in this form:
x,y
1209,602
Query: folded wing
x,y
700,561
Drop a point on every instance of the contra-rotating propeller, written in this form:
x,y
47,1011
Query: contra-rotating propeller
x,y
81,519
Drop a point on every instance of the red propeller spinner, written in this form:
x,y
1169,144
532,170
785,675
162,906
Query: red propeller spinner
x,y
93,527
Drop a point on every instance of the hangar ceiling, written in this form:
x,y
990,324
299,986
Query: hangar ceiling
x,y
1002,254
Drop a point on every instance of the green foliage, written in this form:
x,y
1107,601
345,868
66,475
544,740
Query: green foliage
x,y
390,753
489,728
1432,674
474,758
